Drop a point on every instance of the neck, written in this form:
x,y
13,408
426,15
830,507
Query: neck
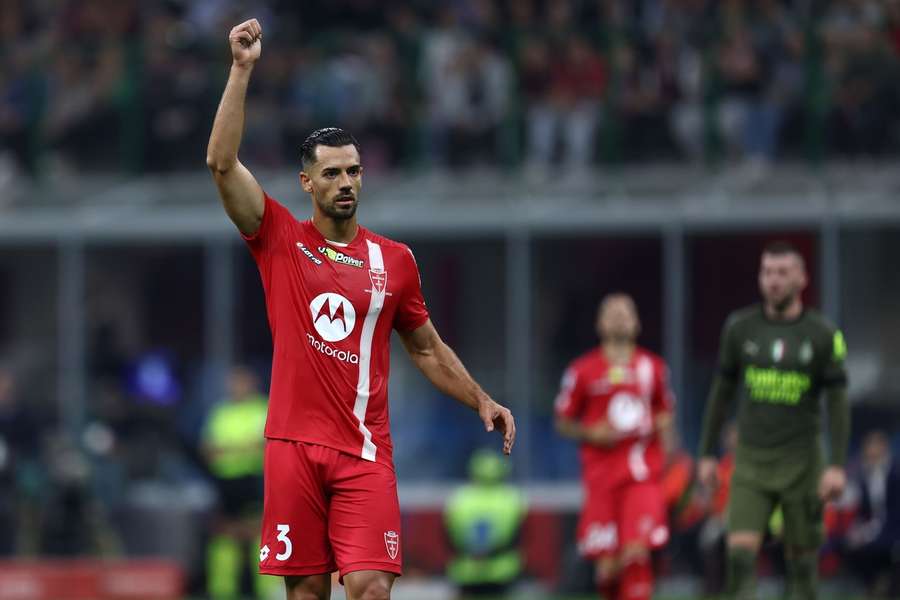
x,y
618,351
336,230
788,313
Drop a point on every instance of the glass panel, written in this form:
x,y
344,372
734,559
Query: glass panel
x,y
145,347
870,297
29,334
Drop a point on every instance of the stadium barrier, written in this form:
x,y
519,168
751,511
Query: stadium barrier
x,y
79,579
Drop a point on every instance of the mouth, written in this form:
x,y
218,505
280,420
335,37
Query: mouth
x,y
344,201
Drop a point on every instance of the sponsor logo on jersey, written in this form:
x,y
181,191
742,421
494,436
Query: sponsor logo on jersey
x,y
263,553
341,258
617,374
626,412
309,253
333,316
392,543
330,351
776,386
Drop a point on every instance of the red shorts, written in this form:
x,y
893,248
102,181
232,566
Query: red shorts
x,y
325,510
613,518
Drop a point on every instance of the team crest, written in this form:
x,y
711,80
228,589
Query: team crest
x,y
778,350
806,352
378,277
392,543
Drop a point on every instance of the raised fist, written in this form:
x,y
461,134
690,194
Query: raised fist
x,y
246,42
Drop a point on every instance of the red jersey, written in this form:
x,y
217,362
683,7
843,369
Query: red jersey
x,y
331,308
627,397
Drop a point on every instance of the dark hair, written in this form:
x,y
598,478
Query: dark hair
x,y
784,248
327,136
780,248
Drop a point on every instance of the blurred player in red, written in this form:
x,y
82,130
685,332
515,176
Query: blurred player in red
x,y
616,402
334,292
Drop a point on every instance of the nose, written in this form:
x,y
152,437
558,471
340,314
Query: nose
x,y
345,182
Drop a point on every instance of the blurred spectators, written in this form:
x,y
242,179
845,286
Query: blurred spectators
x,y
107,86
19,440
570,107
873,539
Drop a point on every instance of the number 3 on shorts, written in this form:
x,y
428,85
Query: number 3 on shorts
x,y
283,530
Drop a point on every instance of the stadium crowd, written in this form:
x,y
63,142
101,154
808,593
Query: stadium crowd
x,y
105,84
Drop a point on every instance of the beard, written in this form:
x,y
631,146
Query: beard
x,y
782,304
332,210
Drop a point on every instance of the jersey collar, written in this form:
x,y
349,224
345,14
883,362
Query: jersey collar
x,y
320,239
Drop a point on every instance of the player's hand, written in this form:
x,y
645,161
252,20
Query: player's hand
x,y
246,42
498,417
832,484
707,472
601,434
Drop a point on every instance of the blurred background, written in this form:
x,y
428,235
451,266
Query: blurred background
x,y
535,154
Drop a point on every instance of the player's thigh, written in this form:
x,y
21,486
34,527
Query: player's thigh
x,y
749,508
803,512
598,534
364,517
294,537
642,516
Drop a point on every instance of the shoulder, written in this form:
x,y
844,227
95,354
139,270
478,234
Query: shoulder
x,y
391,248
658,361
585,362
818,320
385,242
276,208
739,318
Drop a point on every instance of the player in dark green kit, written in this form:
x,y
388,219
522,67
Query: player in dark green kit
x,y
778,358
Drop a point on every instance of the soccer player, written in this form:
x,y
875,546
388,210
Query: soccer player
x,y
778,357
334,291
615,400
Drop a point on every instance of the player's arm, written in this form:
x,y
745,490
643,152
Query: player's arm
x,y
568,407
663,407
241,195
597,434
834,479
445,371
717,404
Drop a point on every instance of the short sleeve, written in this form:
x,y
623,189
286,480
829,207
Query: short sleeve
x,y
729,357
663,399
276,219
835,371
411,312
570,399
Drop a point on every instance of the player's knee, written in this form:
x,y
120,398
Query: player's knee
x,y
746,540
368,588
636,552
606,570
307,588
375,590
